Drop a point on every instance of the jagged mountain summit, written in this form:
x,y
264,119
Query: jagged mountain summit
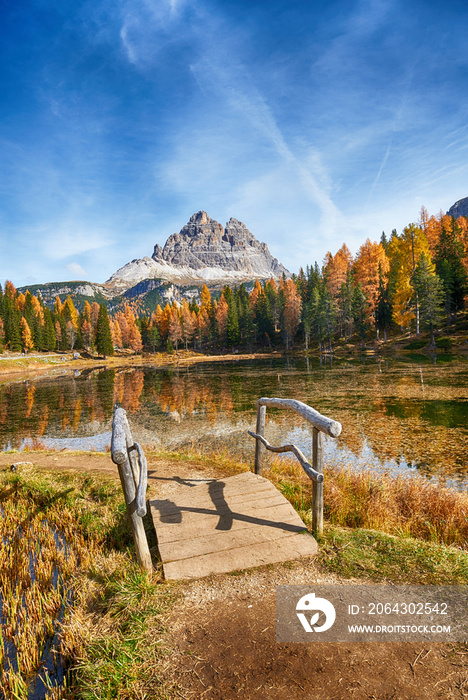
x,y
460,208
203,251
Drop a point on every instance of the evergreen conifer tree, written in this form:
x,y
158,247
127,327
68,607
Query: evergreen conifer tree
x,y
431,293
48,338
104,344
384,309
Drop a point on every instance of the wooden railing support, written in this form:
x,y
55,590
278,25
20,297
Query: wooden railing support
x,y
317,488
131,463
321,424
260,430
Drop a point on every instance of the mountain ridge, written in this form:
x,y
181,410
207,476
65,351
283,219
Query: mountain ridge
x,y
203,251
460,208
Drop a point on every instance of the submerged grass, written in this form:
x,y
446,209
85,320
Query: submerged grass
x,y
69,584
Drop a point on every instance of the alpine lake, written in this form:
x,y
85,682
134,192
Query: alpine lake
x,y
405,415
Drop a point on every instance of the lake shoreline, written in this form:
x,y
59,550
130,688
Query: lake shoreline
x,y
52,364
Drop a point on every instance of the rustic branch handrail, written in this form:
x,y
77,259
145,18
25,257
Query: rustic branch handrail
x,y
133,476
309,470
143,481
321,424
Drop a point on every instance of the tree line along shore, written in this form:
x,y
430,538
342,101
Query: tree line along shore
x,y
412,282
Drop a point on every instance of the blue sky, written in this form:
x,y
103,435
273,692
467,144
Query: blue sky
x,y
313,122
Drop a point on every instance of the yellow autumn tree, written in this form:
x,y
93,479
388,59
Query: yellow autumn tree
x,y
20,302
292,311
26,335
255,293
116,334
205,298
58,306
86,313
70,313
221,318
187,324
336,270
404,252
371,261
164,323
175,327
38,310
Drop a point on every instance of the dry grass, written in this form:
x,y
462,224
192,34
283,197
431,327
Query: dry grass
x,y
402,506
69,584
51,527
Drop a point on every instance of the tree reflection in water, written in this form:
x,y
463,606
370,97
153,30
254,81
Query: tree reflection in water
x,y
401,414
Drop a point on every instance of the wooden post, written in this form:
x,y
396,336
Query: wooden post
x,y
261,415
120,457
317,488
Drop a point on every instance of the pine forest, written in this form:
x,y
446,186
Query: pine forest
x,y
412,282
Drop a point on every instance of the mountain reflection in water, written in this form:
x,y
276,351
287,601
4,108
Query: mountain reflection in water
x,y
396,416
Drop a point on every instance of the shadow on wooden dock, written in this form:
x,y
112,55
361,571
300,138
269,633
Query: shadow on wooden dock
x,y
211,526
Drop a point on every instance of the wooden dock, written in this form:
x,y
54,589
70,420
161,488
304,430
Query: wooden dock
x,y
223,525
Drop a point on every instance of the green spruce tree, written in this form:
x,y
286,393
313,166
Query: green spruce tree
x,y
104,343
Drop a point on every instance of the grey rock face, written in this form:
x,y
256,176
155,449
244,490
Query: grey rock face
x,y
203,252
203,243
460,208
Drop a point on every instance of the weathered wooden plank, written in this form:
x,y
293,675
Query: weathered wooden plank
x,y
196,524
167,507
323,423
286,549
222,541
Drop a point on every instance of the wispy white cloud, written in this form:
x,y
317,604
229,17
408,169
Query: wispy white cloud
x,y
77,271
148,27
234,86
69,239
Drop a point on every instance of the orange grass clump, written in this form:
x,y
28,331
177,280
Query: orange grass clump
x,y
405,506
47,534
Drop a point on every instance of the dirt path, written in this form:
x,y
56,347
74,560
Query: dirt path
x,y
221,633
223,646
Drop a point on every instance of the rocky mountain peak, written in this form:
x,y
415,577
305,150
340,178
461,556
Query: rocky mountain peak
x,y
205,251
460,208
201,218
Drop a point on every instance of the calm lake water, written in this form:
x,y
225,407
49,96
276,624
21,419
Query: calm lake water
x,y
400,416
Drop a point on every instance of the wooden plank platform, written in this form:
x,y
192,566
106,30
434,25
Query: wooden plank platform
x,y
227,524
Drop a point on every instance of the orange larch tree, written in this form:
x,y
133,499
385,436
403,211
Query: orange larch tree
x,y
292,311
221,318
175,327
87,334
336,270
26,335
370,259
187,324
